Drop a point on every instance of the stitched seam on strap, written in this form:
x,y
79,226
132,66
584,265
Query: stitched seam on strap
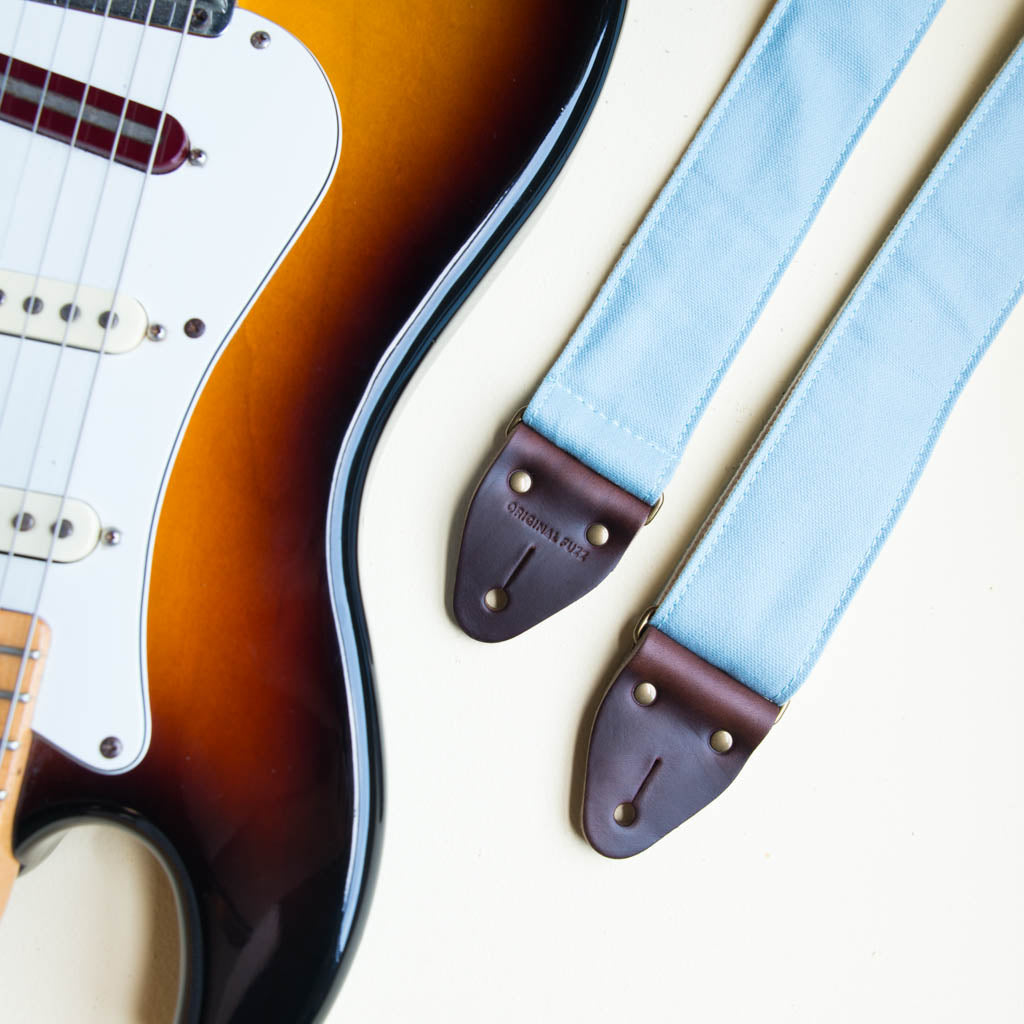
x,y
908,486
663,202
902,230
781,266
672,454
615,423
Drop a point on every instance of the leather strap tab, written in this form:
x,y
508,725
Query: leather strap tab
x,y
542,530
671,734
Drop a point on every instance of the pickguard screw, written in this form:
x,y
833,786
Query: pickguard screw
x,y
112,537
200,17
111,747
195,328
260,40
197,157
157,332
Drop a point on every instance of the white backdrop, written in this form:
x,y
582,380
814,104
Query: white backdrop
x,y
866,863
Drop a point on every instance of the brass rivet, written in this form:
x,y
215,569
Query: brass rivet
x,y
721,741
645,693
520,481
625,815
597,534
496,599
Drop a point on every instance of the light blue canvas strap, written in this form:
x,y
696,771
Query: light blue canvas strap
x,y
773,570
624,397
626,393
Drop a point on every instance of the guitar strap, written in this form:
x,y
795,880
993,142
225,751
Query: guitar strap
x,y
771,572
608,425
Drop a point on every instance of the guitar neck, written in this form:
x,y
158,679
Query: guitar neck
x,y
21,669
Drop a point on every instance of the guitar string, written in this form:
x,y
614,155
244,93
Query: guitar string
x,y
46,85
8,724
33,296
23,170
20,342
18,25
189,13
34,135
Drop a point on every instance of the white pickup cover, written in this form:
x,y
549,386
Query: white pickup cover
x,y
56,311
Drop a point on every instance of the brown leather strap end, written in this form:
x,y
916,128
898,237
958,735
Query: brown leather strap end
x,y
671,734
542,530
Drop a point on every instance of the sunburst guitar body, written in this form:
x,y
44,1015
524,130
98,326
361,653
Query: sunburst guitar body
x,y
182,646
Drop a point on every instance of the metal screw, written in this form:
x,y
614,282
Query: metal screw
x,y
260,40
520,481
597,534
13,745
111,747
645,694
197,157
721,741
157,332
195,328
112,537
3,795
200,17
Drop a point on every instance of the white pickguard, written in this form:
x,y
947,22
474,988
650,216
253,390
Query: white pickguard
x,y
205,242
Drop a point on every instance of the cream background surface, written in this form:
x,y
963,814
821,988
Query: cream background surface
x,y
866,863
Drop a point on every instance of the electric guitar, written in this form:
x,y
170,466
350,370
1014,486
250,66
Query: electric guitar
x,y
182,646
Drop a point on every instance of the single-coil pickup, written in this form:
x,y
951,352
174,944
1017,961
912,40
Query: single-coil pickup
x,y
32,523
53,311
89,118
